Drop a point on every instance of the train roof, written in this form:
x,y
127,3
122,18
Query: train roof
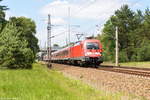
x,y
91,40
77,43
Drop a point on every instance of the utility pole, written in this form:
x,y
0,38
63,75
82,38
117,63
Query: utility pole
x,y
69,26
117,50
69,31
49,41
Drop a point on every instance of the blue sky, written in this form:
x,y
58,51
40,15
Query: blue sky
x,y
86,13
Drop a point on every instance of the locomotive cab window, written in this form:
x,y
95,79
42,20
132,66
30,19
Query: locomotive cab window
x,y
92,45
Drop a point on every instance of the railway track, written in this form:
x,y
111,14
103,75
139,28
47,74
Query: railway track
x,y
145,72
126,67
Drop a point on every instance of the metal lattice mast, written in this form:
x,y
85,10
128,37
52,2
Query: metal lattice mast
x,y
49,40
69,26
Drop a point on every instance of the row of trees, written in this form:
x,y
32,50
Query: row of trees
x,y
18,44
134,35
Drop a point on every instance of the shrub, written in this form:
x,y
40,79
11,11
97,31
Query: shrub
x,y
13,51
123,56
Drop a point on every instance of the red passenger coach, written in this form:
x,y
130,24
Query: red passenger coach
x,y
87,52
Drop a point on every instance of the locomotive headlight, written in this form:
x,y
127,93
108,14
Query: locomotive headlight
x,y
88,53
97,53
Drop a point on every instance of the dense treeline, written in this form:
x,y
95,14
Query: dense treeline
x,y
134,35
18,44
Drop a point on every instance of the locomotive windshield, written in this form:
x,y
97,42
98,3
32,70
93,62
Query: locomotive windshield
x,y
92,45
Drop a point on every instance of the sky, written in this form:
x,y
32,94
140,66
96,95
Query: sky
x,y
86,16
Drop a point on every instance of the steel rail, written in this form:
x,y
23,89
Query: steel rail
x,y
145,72
126,67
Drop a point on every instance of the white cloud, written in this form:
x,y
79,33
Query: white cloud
x,y
11,14
92,9
56,8
100,9
58,21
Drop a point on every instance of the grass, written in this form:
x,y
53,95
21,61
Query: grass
x,y
41,83
132,64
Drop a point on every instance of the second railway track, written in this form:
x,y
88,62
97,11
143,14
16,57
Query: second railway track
x,y
145,72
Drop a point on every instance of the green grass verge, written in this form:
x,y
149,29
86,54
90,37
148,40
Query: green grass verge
x,y
41,83
131,64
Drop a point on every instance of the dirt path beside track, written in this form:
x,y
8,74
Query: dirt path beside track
x,y
110,81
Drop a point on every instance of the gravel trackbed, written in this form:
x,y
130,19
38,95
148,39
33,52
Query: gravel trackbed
x,y
111,81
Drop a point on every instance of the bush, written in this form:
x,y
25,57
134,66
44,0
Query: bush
x,y
123,56
144,52
13,51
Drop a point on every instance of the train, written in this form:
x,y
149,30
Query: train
x,y
87,52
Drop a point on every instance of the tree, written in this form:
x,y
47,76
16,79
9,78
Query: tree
x,y
13,51
107,39
18,44
55,45
27,31
146,24
2,16
129,24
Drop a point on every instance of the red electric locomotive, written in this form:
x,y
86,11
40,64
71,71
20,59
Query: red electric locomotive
x,y
86,52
